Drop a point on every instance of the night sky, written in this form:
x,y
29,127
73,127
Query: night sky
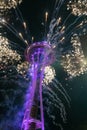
x,y
33,13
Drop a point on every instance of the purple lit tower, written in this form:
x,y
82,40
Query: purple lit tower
x,y
39,55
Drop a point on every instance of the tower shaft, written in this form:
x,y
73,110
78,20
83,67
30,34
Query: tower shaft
x,y
31,120
38,55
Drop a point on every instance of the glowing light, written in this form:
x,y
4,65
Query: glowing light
x,y
79,7
32,39
10,57
56,32
7,55
74,62
23,68
25,26
53,101
8,4
46,16
49,75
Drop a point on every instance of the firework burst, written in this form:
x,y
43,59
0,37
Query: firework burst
x,y
49,75
8,4
78,7
74,61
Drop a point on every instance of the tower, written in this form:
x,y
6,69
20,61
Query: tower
x,y
39,55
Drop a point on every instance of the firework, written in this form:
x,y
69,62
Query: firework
x,y
74,62
23,68
8,4
53,101
10,57
62,27
56,32
46,16
7,55
78,7
49,75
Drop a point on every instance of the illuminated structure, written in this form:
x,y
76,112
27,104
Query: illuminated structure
x,y
39,55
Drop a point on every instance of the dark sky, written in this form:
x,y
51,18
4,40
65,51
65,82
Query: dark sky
x,y
34,14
